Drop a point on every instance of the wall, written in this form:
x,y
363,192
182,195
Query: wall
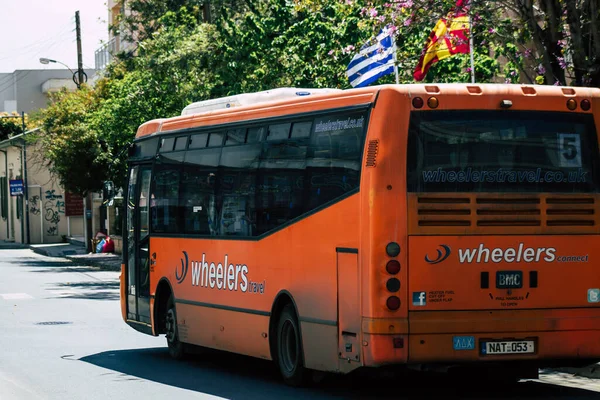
x,y
47,220
25,86
10,167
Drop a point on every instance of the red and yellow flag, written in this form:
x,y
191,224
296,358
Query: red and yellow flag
x,y
449,36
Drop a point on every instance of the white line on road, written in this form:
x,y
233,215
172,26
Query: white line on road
x,y
15,296
9,386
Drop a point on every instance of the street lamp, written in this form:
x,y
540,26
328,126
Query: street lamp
x,y
47,61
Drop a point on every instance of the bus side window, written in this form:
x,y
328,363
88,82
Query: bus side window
x,y
198,191
237,189
279,131
333,164
165,215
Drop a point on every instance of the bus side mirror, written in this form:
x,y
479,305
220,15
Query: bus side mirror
x,y
108,191
132,149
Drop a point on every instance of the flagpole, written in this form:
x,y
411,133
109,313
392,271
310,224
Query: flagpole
x,y
395,59
471,42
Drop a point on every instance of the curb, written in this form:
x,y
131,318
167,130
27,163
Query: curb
x,y
39,251
107,263
12,246
104,262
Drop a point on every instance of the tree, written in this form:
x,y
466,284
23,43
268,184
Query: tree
x,y
172,69
74,151
9,126
12,124
263,44
566,39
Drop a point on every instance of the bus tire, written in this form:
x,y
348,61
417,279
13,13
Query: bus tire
x,y
289,349
176,347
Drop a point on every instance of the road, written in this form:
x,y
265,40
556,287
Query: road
x,y
62,337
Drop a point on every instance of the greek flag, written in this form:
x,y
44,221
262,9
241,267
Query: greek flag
x,y
373,61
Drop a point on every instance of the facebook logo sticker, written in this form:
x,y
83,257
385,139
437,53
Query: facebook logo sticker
x,y
593,295
419,298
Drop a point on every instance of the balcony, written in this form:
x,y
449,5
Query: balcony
x,y
105,53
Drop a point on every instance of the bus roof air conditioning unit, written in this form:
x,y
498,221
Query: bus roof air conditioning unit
x,y
246,99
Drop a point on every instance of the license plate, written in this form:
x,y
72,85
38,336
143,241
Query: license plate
x,y
508,347
509,279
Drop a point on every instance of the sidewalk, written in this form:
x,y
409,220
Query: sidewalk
x,y
76,252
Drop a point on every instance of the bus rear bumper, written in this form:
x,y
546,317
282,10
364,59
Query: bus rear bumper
x,y
559,348
567,337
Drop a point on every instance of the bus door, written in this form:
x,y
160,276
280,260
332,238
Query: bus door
x,y
138,243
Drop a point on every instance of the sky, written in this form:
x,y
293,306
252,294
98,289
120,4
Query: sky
x,y
31,29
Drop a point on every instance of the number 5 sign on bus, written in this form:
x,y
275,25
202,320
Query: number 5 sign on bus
x,y
569,149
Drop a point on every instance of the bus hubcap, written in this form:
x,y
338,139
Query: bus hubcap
x,y
170,326
288,347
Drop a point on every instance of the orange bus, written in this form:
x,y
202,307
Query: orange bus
x,y
430,225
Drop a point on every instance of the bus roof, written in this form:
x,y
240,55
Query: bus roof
x,y
247,99
277,101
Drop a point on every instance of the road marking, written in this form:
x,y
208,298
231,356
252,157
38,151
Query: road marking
x,y
16,296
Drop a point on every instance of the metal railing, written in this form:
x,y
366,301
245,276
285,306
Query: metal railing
x,y
105,53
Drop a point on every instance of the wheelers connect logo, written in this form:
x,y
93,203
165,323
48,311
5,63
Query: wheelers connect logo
x,y
221,276
518,254
442,254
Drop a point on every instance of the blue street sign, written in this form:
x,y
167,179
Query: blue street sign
x,y
16,187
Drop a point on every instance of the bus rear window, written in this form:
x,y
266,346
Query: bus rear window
x,y
502,151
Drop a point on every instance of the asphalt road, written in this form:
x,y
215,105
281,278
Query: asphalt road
x,y
62,337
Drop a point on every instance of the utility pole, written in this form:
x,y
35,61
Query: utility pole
x,y
88,197
79,54
25,191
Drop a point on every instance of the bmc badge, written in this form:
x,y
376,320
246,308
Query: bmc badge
x,y
183,269
441,255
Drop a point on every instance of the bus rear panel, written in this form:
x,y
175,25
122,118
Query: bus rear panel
x,y
503,238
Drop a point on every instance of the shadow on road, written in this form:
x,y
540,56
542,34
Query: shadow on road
x,y
91,290
233,376
63,268
54,266
43,264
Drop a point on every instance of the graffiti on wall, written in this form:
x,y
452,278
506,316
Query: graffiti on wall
x,y
34,206
53,206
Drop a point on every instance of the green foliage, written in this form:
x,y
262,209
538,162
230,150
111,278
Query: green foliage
x,y
73,150
10,125
254,45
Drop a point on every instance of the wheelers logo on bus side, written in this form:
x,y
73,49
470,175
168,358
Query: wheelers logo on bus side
x,y
184,269
441,255
221,276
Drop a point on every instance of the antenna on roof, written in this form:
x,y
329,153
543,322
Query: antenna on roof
x,y
246,99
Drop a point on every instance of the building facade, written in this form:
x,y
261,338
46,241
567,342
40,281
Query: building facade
x,y
53,214
116,42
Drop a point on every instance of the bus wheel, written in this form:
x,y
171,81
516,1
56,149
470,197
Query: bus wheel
x,y
289,349
176,348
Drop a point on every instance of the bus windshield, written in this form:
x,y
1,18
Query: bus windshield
x,y
502,151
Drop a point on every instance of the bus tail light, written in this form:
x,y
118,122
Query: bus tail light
x,y
417,102
392,249
433,102
585,105
571,104
393,303
393,267
393,285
